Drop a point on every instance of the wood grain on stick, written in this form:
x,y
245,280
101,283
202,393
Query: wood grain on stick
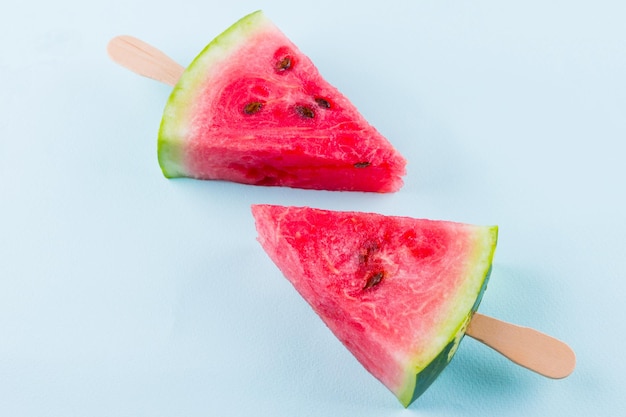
x,y
524,346
144,59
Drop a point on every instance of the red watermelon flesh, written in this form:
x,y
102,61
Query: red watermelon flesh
x,y
398,292
252,108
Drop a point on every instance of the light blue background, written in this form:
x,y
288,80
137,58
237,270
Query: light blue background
x,y
126,294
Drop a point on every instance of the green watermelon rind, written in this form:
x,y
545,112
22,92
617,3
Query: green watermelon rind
x,y
425,376
178,110
429,374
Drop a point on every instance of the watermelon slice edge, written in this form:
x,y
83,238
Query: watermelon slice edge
x,y
406,327
237,115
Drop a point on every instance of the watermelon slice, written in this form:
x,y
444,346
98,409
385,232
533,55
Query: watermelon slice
x,y
397,292
252,108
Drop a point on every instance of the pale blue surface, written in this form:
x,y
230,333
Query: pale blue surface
x,y
125,294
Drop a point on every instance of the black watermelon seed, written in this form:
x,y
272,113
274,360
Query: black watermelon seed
x,y
252,107
374,280
362,164
283,64
305,111
322,102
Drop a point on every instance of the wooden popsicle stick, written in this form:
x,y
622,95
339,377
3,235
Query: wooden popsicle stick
x,y
144,59
524,346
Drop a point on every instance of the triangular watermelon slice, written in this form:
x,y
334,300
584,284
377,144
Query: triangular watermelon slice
x,y
398,292
252,108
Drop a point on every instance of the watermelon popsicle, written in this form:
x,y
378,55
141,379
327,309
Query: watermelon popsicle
x,y
252,108
399,293
212,151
